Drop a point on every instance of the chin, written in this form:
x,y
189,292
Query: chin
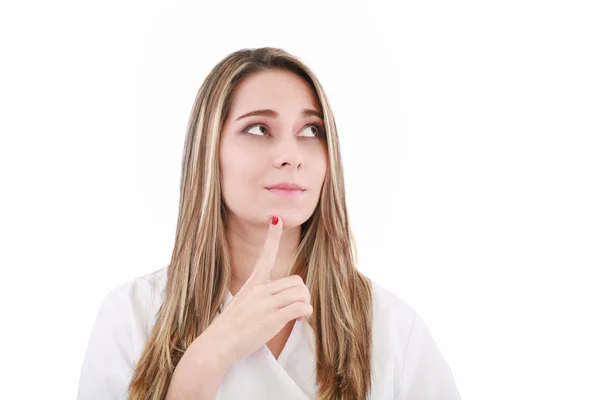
x,y
291,219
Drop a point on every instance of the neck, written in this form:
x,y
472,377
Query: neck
x,y
246,241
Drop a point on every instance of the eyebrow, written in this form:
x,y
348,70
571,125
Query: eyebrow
x,y
274,114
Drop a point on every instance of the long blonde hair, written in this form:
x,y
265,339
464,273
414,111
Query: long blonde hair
x,y
199,272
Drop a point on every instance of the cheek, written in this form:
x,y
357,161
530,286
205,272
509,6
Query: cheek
x,y
321,165
233,161
237,167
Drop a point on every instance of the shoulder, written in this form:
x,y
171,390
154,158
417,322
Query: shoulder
x,y
144,288
128,311
407,362
122,326
145,284
140,298
393,318
392,314
389,304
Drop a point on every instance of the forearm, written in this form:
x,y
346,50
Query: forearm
x,y
197,379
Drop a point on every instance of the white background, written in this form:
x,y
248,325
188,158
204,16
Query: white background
x,y
470,136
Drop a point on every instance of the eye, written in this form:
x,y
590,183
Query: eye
x,y
252,126
318,130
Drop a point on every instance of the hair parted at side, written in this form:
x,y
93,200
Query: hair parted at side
x,y
199,272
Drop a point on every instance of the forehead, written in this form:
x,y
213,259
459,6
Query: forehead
x,y
277,89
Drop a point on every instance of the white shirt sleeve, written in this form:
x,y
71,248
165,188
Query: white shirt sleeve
x,y
426,374
108,362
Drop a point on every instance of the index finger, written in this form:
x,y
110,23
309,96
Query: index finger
x,y
266,260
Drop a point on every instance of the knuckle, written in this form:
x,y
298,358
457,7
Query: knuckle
x,y
299,307
298,292
303,292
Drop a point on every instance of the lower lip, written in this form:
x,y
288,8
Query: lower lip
x,y
286,192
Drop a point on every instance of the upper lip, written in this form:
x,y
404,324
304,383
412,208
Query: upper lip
x,y
286,186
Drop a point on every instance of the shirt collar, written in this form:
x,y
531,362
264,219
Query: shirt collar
x,y
228,298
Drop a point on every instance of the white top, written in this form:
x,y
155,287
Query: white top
x,y
406,362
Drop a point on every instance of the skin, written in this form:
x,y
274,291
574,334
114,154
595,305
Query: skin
x,y
286,148
283,149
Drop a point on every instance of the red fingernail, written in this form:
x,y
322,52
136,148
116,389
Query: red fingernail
x,y
274,220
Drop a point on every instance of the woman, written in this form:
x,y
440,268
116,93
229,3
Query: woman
x,y
262,298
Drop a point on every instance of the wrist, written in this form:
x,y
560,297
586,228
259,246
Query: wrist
x,y
209,356
197,375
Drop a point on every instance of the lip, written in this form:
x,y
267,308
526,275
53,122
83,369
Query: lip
x,y
286,186
286,192
286,189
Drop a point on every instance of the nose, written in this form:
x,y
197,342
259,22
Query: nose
x,y
288,154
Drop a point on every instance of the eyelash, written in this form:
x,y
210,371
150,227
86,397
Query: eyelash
x,y
320,129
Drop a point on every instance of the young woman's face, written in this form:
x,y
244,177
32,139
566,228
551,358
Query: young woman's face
x,y
285,145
